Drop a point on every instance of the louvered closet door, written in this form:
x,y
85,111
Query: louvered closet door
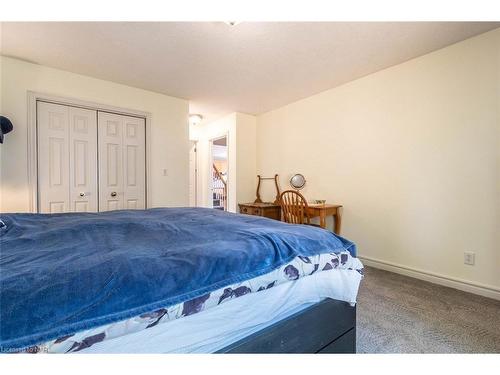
x,y
122,171
67,158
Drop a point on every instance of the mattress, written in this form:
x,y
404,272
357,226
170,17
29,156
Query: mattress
x,y
218,327
341,270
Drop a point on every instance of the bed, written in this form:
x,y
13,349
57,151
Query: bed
x,y
174,280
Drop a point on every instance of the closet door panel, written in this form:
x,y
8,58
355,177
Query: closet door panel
x,y
134,156
110,138
83,159
53,158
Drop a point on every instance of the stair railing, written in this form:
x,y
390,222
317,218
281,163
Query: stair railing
x,y
219,187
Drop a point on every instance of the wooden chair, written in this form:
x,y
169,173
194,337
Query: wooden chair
x,y
294,207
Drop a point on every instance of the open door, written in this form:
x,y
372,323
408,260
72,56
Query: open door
x,y
219,159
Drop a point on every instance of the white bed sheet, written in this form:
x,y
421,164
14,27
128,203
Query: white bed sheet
x,y
220,326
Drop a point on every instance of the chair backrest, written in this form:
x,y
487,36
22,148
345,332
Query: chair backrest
x,y
294,207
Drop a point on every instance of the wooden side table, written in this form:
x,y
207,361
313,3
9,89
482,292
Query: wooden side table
x,y
273,211
269,210
324,210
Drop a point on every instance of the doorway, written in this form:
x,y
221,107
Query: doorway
x,y
219,172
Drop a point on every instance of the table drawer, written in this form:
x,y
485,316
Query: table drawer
x,y
251,210
269,211
257,211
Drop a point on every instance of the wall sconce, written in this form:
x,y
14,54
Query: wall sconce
x,y
195,119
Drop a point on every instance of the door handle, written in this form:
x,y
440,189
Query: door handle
x,y
82,194
113,193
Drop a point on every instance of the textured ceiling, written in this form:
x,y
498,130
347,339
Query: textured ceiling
x,y
251,67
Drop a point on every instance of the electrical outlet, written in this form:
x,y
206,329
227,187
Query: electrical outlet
x,y
469,258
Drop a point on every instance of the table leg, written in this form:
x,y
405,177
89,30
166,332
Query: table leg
x,y
322,219
337,221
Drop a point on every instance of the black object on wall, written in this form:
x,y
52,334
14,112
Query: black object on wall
x,y
5,127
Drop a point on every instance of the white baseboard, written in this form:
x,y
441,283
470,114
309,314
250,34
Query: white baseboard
x,y
466,286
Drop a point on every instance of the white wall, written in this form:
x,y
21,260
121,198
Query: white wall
x,y
169,133
246,170
412,152
241,131
1,113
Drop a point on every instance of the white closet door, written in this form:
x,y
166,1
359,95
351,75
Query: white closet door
x,y
121,162
67,158
110,140
134,162
53,158
83,159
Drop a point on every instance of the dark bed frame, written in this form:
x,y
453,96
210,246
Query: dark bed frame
x,y
326,327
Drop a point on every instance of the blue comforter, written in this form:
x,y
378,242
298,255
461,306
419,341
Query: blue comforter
x,y
63,273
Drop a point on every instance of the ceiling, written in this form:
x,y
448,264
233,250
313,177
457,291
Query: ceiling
x,y
250,67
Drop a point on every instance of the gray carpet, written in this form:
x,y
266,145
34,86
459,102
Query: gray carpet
x,y
399,314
